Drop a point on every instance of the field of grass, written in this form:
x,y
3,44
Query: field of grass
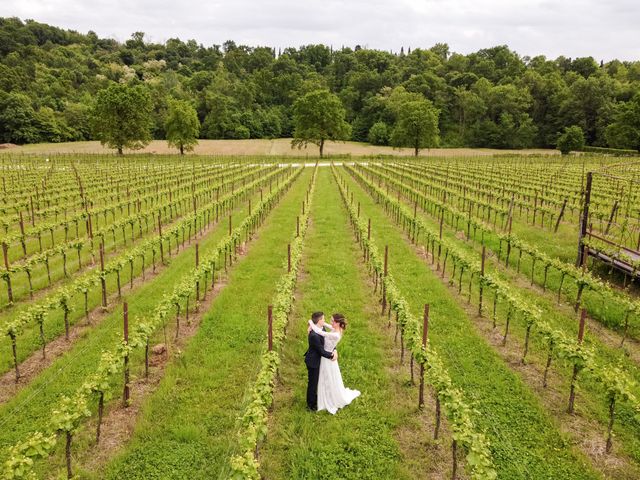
x,y
276,147
193,415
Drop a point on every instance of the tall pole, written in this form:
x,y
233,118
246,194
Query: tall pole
x,y
585,218
484,254
126,393
270,327
425,332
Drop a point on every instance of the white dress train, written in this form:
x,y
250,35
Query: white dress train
x,y
332,394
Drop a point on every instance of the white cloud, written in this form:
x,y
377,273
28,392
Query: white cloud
x,y
572,28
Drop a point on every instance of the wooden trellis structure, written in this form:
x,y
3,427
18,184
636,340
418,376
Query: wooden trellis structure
x,y
615,238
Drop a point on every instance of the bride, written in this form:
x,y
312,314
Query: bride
x,y
332,394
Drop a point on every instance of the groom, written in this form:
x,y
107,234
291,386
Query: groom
x,y
312,359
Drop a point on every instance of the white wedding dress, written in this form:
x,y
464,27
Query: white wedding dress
x,y
332,394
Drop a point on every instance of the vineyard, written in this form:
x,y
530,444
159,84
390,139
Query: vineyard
x,y
153,314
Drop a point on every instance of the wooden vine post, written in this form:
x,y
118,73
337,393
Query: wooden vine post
x,y
24,246
484,255
440,237
126,391
270,327
584,219
103,280
288,258
425,332
415,216
5,254
560,215
197,264
160,237
33,215
386,269
576,368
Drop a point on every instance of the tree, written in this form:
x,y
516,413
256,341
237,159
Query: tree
x,y
318,116
122,117
182,126
572,139
17,119
624,132
416,126
379,134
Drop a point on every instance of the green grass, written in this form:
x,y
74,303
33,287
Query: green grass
x,y
359,442
186,427
30,409
525,441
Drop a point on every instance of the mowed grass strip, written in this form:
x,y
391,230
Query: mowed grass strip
x,y
186,428
30,409
525,441
359,441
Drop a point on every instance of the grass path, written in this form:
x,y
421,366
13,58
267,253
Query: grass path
x,y
374,437
29,409
186,426
525,440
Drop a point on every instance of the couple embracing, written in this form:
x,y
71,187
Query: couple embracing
x,y
325,390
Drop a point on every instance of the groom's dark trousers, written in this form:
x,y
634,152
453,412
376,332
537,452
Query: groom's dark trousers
x,y
312,359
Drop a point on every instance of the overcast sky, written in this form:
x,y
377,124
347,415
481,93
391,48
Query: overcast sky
x,y
605,29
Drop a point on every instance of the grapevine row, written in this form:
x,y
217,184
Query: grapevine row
x,y
458,412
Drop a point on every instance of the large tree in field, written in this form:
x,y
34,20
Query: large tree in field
x,y
122,117
416,125
318,116
182,126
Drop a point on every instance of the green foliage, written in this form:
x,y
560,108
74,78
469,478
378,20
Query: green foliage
x,y
318,117
624,132
488,98
572,139
121,117
416,126
17,119
610,151
19,464
182,126
379,134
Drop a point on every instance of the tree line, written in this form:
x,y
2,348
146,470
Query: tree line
x,y
53,81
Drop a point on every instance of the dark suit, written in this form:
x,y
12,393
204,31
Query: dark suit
x,y
312,359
